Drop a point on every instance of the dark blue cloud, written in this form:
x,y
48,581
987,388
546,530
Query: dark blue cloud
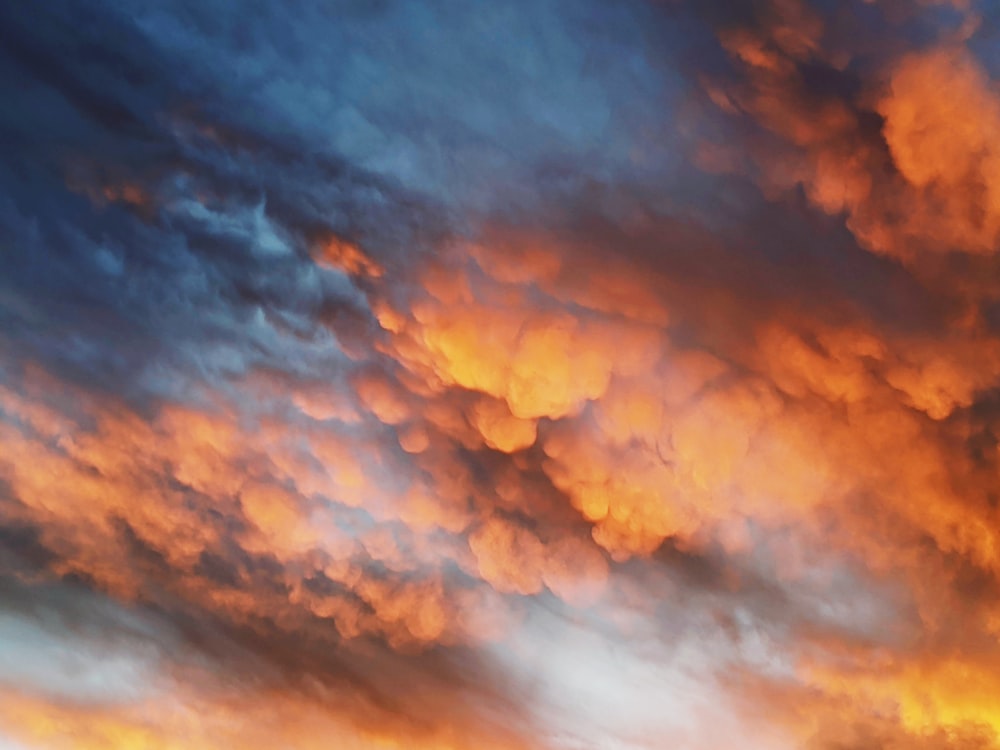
x,y
374,121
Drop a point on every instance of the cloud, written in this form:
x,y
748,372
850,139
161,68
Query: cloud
x,y
545,376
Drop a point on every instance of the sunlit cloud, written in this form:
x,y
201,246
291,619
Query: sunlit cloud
x,y
553,376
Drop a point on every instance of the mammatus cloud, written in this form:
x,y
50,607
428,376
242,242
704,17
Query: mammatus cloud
x,y
391,375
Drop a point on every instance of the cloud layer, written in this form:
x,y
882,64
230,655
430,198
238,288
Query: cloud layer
x,y
543,376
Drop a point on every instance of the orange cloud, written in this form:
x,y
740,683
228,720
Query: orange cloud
x,y
928,186
336,252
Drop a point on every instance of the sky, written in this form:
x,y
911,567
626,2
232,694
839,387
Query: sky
x,y
521,375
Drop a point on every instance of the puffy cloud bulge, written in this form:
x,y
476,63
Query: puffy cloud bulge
x,y
546,376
